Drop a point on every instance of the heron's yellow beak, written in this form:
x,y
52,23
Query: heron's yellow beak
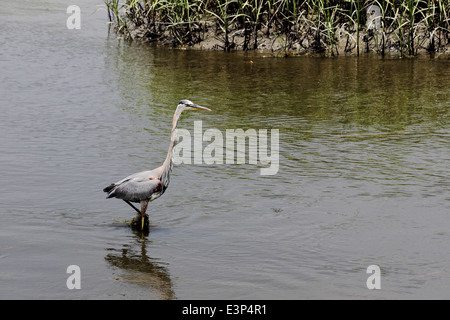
x,y
197,107
142,224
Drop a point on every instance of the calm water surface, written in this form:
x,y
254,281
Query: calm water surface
x,y
363,177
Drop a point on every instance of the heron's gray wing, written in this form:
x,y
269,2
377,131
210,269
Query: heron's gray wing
x,y
139,175
136,188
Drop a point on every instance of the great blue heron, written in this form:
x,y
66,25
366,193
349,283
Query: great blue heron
x,y
146,186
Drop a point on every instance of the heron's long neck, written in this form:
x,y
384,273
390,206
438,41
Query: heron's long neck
x,y
168,163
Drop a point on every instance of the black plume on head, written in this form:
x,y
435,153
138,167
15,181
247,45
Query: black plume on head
x,y
185,101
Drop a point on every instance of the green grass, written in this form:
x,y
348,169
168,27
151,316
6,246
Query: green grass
x,y
330,26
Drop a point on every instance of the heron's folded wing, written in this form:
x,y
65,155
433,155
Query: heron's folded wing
x,y
137,189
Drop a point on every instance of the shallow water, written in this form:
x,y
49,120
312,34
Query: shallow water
x,y
362,180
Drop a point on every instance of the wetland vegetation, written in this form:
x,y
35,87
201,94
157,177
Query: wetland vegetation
x,y
330,27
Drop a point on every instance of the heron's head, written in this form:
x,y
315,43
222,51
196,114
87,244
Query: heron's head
x,y
189,105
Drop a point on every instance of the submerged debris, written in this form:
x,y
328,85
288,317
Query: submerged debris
x,y
136,222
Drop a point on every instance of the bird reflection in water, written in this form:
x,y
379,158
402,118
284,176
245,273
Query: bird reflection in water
x,y
139,268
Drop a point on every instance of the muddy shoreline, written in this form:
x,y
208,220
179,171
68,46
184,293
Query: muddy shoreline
x,y
372,42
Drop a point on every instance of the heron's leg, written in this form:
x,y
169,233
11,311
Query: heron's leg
x,y
137,210
144,205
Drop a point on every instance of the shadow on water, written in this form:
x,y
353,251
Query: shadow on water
x,y
136,266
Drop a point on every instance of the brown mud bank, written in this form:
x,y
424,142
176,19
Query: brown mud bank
x,y
331,28
299,44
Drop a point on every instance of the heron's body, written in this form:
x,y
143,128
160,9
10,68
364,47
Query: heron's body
x,y
140,186
146,186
